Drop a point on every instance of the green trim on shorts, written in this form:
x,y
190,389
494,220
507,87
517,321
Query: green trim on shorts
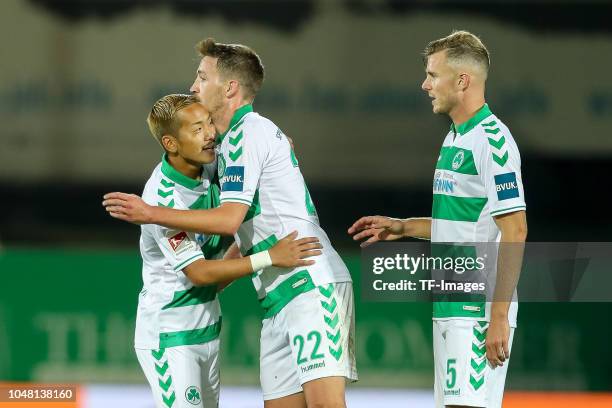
x,y
188,337
284,293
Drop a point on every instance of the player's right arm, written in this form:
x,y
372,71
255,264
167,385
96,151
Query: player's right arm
x,y
379,228
286,253
222,220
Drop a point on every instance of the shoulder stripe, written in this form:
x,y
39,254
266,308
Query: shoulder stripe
x,y
498,144
169,204
166,183
164,194
236,139
501,160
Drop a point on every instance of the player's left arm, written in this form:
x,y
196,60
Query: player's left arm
x,y
499,166
222,220
233,252
513,227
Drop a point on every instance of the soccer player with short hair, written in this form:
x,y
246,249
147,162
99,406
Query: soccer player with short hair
x,y
477,197
179,318
307,346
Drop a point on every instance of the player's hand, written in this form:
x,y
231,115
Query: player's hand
x,y
498,336
290,252
376,228
128,207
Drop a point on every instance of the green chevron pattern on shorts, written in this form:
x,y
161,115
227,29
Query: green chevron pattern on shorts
x,y
336,353
165,385
327,291
165,379
331,318
161,370
479,351
480,336
332,322
329,307
478,367
334,338
478,362
169,400
158,354
476,383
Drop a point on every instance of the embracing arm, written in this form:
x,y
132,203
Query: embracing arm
x,y
223,220
289,252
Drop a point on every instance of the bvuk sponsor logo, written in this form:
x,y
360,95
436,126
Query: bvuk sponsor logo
x,y
233,179
506,186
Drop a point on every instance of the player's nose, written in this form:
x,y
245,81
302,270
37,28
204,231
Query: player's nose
x,y
194,87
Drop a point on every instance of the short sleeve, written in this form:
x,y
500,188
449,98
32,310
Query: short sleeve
x,y
243,159
180,248
500,171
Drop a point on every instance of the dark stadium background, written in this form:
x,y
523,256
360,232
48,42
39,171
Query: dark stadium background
x,y
64,261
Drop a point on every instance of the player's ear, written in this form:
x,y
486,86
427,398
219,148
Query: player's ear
x,y
169,143
464,81
232,88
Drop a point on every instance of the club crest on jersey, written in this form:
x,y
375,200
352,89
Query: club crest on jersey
x,y
506,186
233,179
193,395
221,166
458,160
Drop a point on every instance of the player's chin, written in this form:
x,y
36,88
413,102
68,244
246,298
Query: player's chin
x,y
207,156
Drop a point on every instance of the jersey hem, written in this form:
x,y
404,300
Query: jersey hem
x,y
509,210
236,200
486,319
188,262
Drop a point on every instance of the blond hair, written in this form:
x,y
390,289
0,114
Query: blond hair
x,y
461,47
162,119
235,61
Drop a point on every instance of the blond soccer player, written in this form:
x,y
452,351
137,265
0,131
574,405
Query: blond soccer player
x,y
477,198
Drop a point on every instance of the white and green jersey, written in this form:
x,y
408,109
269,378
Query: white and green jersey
x,y
171,310
477,177
257,167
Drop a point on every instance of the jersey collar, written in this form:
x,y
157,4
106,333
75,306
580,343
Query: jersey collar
x,y
240,112
471,123
174,175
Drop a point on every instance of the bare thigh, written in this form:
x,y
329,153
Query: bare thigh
x,y
290,401
326,392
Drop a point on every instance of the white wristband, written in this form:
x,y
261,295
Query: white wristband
x,y
260,260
